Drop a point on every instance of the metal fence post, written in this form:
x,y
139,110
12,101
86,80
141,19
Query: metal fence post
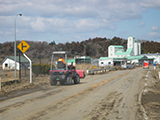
x,y
0,83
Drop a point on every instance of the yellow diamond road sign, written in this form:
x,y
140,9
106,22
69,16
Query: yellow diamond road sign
x,y
23,46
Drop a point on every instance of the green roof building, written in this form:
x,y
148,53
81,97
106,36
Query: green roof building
x,y
79,60
133,48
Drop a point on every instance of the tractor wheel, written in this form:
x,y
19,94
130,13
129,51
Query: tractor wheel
x,y
62,82
53,82
77,79
69,80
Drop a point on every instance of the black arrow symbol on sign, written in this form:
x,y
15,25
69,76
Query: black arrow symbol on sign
x,y
23,46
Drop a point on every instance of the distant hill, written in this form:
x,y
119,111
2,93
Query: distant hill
x,y
96,47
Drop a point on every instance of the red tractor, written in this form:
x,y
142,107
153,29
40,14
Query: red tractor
x,y
64,74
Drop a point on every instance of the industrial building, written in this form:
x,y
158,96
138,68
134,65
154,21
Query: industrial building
x,y
133,48
117,55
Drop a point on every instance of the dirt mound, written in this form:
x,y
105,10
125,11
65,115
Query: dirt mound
x,y
151,99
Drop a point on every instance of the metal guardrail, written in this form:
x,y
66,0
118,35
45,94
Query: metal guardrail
x,y
92,72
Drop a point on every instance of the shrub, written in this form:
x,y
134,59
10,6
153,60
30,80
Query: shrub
x,y
43,69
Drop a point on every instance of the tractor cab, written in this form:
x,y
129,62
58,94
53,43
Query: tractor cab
x,y
60,64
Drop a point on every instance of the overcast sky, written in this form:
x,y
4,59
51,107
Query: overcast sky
x,y
77,20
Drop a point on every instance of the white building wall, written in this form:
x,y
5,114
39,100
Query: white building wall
x,y
139,48
136,48
111,51
105,63
158,59
130,43
10,64
134,61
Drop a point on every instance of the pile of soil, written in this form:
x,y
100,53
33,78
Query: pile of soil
x,y
151,99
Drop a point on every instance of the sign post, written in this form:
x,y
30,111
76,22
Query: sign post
x,y
23,47
0,83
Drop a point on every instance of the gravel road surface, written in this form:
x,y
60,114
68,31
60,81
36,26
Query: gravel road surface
x,y
110,96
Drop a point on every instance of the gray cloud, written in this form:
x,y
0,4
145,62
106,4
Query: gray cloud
x,y
62,17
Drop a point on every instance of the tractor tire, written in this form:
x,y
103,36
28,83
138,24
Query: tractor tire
x,y
53,82
62,82
69,80
77,79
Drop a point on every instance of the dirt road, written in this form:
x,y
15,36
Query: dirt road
x,y
110,96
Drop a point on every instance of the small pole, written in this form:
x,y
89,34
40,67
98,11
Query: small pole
x,y
159,75
19,64
66,61
52,61
15,44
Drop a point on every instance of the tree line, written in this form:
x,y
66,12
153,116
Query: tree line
x,y
96,47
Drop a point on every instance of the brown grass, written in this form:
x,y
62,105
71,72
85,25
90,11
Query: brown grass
x,y
7,75
85,67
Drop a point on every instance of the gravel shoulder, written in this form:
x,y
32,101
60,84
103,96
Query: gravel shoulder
x,y
151,95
